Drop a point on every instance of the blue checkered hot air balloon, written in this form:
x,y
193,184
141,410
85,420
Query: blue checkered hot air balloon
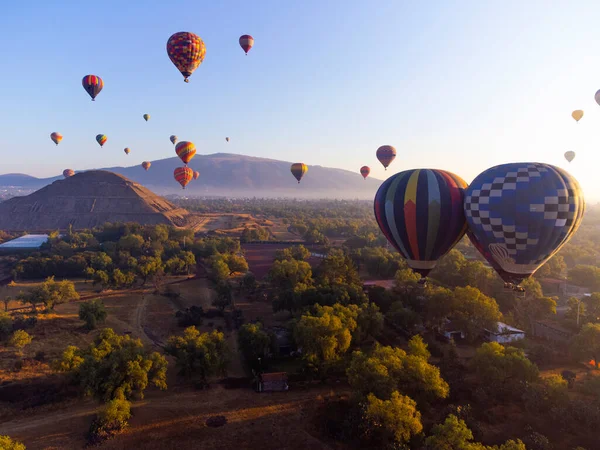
x,y
521,214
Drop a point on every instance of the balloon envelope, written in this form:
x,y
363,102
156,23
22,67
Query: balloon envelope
x,y
173,139
146,165
101,139
146,117
56,137
127,150
521,214
577,114
365,171
246,42
185,150
227,139
298,170
186,50
386,154
68,173
93,85
196,174
597,96
183,175
569,156
421,214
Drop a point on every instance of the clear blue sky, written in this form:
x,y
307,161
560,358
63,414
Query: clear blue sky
x,y
457,85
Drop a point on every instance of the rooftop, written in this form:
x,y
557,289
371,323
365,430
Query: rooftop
x,y
507,329
27,241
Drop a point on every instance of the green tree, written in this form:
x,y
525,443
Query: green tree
x,y
6,325
592,304
254,342
249,282
337,268
132,243
149,266
369,321
418,347
406,278
588,276
453,434
288,274
298,252
205,354
553,268
224,296
50,293
397,420
101,261
111,419
102,278
92,313
220,269
114,366
6,443
586,344
236,263
19,339
474,311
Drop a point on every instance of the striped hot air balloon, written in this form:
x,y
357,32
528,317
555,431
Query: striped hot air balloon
x,y
421,214
521,214
365,171
298,170
186,50
196,174
68,173
386,154
183,175
93,85
246,42
173,139
127,150
101,139
146,165
186,151
56,137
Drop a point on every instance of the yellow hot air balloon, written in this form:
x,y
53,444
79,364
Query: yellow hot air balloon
x,y
146,117
127,150
577,114
298,170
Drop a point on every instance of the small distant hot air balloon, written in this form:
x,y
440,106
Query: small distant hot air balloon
x,y
227,139
146,165
56,137
298,170
92,85
146,117
569,156
183,175
185,150
101,139
421,214
365,171
246,42
173,139
68,173
597,96
196,174
386,154
126,150
577,115
186,50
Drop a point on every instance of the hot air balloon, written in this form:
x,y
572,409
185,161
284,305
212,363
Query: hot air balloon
x,y
101,139
127,150
146,165
386,154
570,156
421,214
227,139
183,175
56,137
521,214
597,96
577,115
186,151
246,42
92,85
298,170
365,171
196,174
173,139
186,51
68,173
146,117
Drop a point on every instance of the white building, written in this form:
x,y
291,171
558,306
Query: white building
x,y
27,242
504,334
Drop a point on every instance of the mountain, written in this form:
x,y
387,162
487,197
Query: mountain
x,y
225,174
86,200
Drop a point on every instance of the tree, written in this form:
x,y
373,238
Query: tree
x,y
288,274
19,339
298,252
224,296
453,434
418,347
114,366
405,318
588,276
326,334
132,243
6,325
6,443
102,278
220,269
337,268
149,266
111,419
101,261
369,321
92,313
249,282
50,293
474,311
503,371
397,420
553,268
205,354
592,304
254,341
406,278
576,311
236,263
586,344
6,300
389,369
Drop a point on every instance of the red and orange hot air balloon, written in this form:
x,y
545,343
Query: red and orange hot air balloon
x,y
246,42
183,175
298,170
186,50
196,174
93,85
101,139
146,165
56,137
68,173
186,151
365,171
386,154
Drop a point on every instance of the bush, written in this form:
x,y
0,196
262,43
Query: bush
x,y
92,312
19,340
112,419
6,443
190,316
6,325
24,323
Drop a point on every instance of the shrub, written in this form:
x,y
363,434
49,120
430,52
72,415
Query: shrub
x,y
6,443
190,316
92,312
19,340
112,419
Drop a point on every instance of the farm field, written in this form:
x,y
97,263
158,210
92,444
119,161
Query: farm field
x,y
260,257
